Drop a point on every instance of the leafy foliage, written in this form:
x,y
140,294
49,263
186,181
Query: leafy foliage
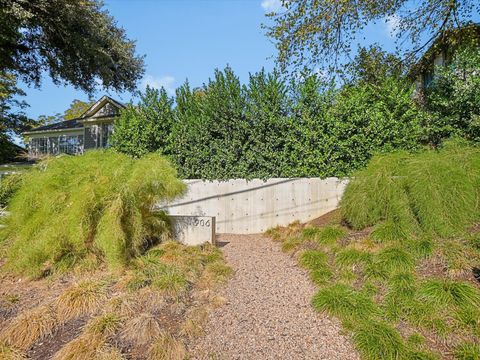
x,y
320,34
76,109
98,204
453,98
146,127
43,36
226,130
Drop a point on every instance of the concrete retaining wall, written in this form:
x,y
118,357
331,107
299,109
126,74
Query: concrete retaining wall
x,y
249,207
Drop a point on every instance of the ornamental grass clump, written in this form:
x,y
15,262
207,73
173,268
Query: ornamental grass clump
x,y
100,204
434,193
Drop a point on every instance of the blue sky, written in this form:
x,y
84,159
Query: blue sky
x,y
187,39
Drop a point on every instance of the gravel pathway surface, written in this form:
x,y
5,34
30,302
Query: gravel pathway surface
x,y
268,313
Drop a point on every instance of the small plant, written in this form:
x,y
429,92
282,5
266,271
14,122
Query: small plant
x,y
29,327
142,329
84,347
344,302
104,325
195,322
443,292
82,298
325,235
166,347
467,351
313,259
171,281
9,353
379,341
394,260
350,257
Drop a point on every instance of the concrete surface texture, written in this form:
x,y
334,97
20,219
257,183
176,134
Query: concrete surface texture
x,y
267,314
249,207
193,230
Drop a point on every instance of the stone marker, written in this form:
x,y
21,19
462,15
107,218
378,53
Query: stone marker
x,y
193,230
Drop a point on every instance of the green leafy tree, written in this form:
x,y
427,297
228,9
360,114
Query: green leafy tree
x,y
372,65
453,99
320,33
76,42
368,119
212,134
13,120
146,127
268,122
76,109
308,140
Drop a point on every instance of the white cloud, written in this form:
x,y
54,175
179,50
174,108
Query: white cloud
x,y
271,5
167,82
391,24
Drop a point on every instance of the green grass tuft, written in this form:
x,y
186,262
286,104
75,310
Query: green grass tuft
x,y
350,257
378,341
444,292
344,302
432,192
98,204
394,260
313,259
467,351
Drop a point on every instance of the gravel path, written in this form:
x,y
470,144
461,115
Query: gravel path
x,y
268,313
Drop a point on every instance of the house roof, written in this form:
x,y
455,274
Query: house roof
x,y
447,40
77,123
63,125
99,104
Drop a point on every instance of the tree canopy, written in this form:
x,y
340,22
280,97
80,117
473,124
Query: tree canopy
x,y
320,34
75,42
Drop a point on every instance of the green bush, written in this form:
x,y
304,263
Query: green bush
x,y
99,204
453,98
432,193
226,129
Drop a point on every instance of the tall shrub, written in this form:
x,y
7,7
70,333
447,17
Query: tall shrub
x,y
268,126
146,127
96,206
432,193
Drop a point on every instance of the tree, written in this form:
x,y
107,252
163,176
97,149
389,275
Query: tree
x,y
76,109
147,127
452,100
13,120
76,42
12,117
321,33
372,65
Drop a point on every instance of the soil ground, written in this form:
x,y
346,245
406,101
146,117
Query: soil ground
x,y
268,313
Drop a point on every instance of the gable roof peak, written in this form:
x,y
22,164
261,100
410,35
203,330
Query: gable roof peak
x,y
100,103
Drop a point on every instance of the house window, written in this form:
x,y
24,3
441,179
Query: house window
x,y
69,144
107,130
42,146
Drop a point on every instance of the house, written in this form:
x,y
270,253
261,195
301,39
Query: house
x,y
441,53
92,130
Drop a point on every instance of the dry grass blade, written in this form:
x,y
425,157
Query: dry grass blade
x,y
80,299
166,347
85,347
104,325
142,329
109,353
9,353
195,322
29,327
